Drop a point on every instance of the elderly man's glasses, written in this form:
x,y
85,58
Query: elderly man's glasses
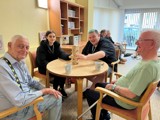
x,y
145,40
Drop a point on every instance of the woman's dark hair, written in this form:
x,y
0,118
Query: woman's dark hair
x,y
49,32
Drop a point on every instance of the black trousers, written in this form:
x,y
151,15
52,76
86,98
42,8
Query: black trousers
x,y
58,81
92,96
158,84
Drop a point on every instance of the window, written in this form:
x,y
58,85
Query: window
x,y
136,20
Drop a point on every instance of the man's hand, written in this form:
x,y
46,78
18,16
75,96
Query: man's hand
x,y
121,91
113,81
51,91
109,86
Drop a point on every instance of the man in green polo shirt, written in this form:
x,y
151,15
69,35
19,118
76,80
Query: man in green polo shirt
x,y
134,83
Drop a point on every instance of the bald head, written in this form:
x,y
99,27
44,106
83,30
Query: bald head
x,y
152,34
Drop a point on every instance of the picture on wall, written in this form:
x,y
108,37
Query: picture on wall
x,y
1,45
42,36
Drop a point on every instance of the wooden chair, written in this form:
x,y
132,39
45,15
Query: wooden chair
x,y
113,65
34,70
124,45
141,111
13,110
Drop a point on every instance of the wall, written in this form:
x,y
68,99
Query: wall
x,y
88,16
72,1
108,16
105,4
22,17
109,19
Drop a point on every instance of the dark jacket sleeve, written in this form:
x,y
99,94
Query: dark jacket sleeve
x,y
109,38
63,55
86,50
41,59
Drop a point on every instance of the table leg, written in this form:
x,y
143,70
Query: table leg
x,y
79,96
47,80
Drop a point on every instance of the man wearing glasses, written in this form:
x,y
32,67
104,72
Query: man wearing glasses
x,y
134,83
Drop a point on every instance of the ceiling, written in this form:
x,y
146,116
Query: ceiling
x,y
137,3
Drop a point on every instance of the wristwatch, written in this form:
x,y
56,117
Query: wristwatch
x,y
113,87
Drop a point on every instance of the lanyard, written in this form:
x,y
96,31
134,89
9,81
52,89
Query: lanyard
x,y
93,49
14,72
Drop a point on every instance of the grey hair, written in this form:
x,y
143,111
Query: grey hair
x,y
17,37
93,30
153,34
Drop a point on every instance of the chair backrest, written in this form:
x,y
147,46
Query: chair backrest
x,y
32,56
117,53
148,92
115,68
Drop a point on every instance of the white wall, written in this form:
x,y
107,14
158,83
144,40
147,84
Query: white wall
x,y
104,4
108,16
110,19
101,18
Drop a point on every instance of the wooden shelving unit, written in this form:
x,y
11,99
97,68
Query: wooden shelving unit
x,y
81,20
70,17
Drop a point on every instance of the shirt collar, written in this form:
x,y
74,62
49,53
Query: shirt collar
x,y
11,59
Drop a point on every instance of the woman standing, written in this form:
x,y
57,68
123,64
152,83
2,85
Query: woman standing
x,y
49,50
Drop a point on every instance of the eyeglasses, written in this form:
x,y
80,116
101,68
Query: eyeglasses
x,y
141,40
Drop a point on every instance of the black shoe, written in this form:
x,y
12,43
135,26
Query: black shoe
x,y
63,92
127,54
105,117
84,96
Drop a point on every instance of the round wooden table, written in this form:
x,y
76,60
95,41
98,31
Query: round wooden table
x,y
85,68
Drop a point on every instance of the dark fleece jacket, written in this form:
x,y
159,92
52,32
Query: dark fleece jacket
x,y
46,53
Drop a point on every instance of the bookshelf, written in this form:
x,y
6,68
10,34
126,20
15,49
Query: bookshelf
x,y
66,17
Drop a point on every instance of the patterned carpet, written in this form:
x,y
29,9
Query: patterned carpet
x,y
69,110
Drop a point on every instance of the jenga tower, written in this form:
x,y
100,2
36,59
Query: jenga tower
x,y
75,50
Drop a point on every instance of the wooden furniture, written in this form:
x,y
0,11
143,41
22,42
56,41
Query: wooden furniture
x,y
142,110
68,48
81,70
75,50
34,69
66,17
124,45
13,110
113,65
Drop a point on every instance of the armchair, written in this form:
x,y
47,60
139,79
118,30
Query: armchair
x,y
12,110
139,113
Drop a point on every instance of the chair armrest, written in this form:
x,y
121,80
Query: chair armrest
x,y
118,97
16,109
118,75
115,62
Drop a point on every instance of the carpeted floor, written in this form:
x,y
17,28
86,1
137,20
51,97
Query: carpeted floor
x,y
69,110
